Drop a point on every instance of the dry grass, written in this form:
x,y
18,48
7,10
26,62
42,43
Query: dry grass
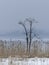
x,y
19,50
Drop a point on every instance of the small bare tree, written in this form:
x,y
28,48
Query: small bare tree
x,y
30,35
28,38
31,21
26,33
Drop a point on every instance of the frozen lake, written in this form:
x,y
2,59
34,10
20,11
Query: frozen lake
x,y
24,61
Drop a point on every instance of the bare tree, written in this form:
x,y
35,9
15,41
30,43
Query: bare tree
x,y
26,33
30,35
28,39
31,21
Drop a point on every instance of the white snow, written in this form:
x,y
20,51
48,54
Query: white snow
x,y
24,61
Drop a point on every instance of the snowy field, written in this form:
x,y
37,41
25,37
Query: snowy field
x,y
23,61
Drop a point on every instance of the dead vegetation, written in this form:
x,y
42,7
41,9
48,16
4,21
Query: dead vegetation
x,y
19,49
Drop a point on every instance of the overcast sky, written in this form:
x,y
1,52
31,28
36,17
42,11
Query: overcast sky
x,y
12,11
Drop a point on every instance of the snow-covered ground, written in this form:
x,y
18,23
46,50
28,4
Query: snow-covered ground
x,y
23,61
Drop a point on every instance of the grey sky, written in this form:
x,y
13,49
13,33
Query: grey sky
x,y
12,11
